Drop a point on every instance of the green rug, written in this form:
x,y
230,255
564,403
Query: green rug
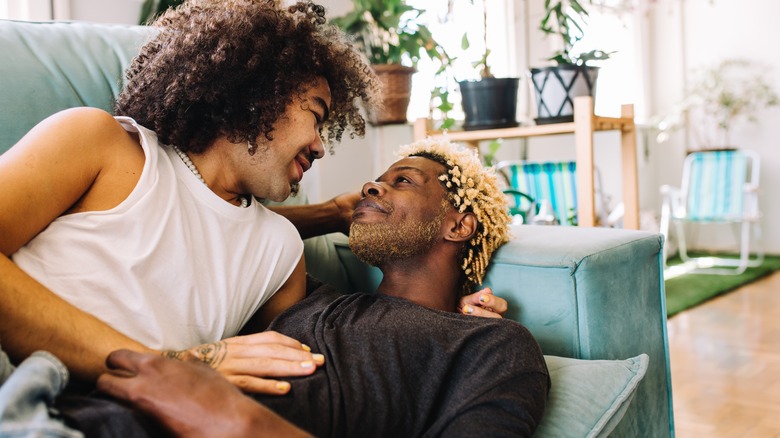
x,y
690,290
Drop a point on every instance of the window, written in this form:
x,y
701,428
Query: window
x,y
621,77
26,9
4,12
613,27
449,21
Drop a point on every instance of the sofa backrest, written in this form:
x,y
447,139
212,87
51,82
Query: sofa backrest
x,y
48,67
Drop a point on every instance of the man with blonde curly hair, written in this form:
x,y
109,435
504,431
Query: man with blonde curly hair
x,y
401,362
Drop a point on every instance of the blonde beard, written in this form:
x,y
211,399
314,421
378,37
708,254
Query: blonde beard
x,y
377,244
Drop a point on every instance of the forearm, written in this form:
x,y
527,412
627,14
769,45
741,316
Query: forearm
x,y
257,419
33,318
313,219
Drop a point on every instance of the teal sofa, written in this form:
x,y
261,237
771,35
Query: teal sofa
x,y
591,294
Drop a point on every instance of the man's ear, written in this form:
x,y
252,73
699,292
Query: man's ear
x,y
462,228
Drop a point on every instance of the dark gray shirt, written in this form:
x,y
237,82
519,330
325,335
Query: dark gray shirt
x,y
394,368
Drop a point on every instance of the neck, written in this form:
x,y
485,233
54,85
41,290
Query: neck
x,y
212,169
428,283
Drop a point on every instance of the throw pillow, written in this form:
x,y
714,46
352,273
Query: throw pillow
x,y
588,398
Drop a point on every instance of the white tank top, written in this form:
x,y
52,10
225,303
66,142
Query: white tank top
x,y
173,265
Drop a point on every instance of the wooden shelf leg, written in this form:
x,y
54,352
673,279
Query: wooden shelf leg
x,y
583,139
629,167
421,129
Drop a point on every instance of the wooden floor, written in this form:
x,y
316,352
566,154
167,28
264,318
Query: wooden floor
x,y
725,361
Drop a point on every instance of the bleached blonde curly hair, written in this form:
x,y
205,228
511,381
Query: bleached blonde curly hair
x,y
471,187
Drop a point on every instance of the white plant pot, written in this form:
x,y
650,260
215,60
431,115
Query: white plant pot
x,y
556,87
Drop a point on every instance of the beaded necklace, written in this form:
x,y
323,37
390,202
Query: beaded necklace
x,y
190,165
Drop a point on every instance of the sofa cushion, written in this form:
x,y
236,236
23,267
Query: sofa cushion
x,y
588,398
48,67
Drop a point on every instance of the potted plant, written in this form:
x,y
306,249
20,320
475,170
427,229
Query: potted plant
x,y
150,9
556,86
489,102
717,99
386,31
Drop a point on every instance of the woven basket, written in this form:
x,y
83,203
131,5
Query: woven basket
x,y
396,83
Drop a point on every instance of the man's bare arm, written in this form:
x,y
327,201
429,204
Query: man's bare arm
x,y
331,216
65,165
190,400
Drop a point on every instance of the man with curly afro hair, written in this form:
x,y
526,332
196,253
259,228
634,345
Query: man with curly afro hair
x,y
144,230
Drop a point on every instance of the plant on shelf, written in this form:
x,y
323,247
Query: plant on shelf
x,y
565,19
571,76
718,99
150,9
489,102
388,33
481,65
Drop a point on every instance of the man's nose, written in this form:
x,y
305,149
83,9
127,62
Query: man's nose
x,y
372,188
317,148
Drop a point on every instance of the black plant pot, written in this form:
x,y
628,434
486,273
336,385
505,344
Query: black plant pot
x,y
489,103
556,87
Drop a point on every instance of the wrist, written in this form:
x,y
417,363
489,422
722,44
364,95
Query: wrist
x,y
253,417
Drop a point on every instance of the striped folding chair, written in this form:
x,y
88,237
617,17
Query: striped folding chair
x,y
718,187
550,182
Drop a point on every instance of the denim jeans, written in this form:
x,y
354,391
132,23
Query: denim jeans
x,y
26,396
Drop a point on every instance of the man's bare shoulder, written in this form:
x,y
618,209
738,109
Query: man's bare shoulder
x,y
72,134
90,125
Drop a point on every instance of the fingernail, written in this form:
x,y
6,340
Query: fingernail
x,y
283,386
483,299
305,347
468,309
319,359
307,364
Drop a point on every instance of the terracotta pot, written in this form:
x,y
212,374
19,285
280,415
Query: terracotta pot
x,y
396,83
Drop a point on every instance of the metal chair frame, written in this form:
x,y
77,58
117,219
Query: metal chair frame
x,y
676,208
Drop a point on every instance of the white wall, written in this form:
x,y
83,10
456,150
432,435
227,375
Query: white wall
x,y
32,10
681,35
102,11
700,33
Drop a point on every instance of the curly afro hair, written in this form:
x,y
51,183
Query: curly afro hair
x,y
231,67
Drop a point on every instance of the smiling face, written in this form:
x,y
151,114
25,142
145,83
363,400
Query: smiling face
x,y
401,214
279,164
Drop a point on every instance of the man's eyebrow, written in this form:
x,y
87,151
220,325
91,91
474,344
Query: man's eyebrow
x,y
324,106
411,169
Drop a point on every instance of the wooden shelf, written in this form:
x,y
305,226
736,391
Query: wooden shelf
x,y
584,125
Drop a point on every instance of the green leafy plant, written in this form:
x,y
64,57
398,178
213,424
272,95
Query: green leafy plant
x,y
489,156
150,9
565,19
440,100
388,33
482,63
718,98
